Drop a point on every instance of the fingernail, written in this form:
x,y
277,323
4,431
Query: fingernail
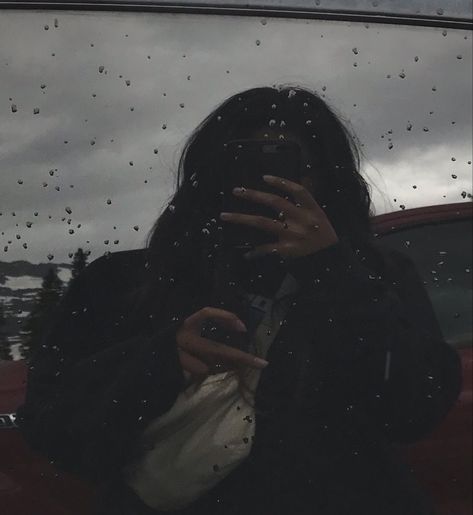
x,y
266,177
241,326
224,215
261,363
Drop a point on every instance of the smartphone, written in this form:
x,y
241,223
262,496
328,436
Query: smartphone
x,y
243,163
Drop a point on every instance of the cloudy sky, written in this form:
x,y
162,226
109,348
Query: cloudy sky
x,y
104,86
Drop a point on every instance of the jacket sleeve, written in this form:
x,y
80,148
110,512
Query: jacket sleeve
x,y
379,348
89,398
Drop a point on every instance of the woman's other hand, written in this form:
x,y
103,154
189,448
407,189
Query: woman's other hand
x,y
201,356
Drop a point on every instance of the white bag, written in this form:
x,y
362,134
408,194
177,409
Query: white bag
x,y
200,440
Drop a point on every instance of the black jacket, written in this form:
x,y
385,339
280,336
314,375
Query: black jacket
x,y
327,420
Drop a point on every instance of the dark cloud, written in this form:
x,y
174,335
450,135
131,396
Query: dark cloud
x,y
189,57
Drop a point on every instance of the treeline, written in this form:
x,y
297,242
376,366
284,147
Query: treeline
x,y
45,302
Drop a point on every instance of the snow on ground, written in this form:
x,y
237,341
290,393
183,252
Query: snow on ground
x,y
23,282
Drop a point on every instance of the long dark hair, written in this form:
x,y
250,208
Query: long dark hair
x,y
181,244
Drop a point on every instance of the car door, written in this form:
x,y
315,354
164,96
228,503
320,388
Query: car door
x,y
442,462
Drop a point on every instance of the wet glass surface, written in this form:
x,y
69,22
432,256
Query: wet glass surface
x,y
96,111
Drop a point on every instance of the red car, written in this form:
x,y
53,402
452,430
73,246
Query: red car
x,y
442,462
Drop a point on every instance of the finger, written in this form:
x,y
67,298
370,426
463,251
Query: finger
x,y
260,222
301,195
226,318
268,199
203,349
192,364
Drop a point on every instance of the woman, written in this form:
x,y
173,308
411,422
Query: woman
x,y
357,362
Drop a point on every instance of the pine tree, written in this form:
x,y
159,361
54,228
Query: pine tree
x,y
4,345
43,309
79,262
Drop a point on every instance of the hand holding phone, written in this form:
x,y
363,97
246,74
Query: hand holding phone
x,y
243,163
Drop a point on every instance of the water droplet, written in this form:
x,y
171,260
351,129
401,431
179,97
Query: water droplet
x,y
440,11
36,110
355,50
20,181
46,27
272,123
136,227
292,93
101,69
127,82
14,109
402,75
258,42
308,122
416,58
454,176
459,56
264,22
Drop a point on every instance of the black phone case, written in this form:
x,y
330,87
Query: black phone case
x,y
244,164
